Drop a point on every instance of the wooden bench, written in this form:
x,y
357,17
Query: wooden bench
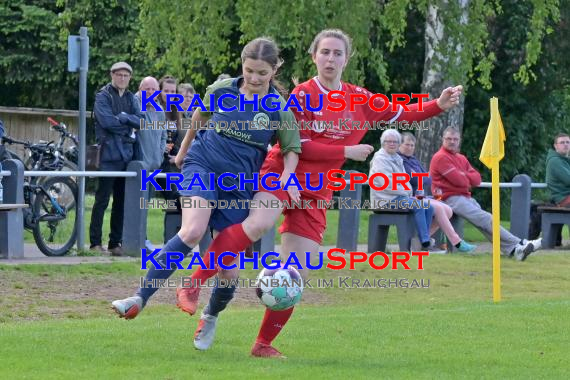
x,y
379,223
11,206
553,219
12,230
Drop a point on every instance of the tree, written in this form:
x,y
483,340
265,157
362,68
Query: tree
x,y
199,40
532,113
459,50
30,67
33,53
113,28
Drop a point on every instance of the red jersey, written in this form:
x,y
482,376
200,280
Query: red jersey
x,y
453,174
325,133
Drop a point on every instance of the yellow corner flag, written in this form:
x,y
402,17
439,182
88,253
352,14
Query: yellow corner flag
x,y
492,152
493,149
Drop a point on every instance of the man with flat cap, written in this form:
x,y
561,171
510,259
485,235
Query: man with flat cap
x,y
117,115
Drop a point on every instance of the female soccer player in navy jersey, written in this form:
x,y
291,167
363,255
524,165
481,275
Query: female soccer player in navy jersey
x,y
217,150
322,150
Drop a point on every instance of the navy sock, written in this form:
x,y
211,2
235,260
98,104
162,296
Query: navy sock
x,y
173,245
219,299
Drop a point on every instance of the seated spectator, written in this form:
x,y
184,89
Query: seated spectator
x,y
558,175
387,161
558,171
452,173
442,212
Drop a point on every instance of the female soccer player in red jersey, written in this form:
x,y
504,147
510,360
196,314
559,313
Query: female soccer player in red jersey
x,y
322,150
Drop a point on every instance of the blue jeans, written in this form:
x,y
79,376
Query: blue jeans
x,y
422,216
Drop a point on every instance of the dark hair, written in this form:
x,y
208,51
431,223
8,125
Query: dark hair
x,y
173,114
166,79
559,136
265,49
408,135
332,33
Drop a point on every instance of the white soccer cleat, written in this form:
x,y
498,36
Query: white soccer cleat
x,y
206,331
128,308
537,244
523,251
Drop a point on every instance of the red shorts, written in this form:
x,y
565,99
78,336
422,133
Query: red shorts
x,y
308,223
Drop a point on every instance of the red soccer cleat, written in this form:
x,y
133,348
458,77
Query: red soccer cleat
x,y
187,299
128,308
261,350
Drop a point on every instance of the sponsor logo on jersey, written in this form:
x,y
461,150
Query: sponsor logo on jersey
x,y
261,120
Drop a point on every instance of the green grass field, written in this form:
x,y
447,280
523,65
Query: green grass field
x,y
451,330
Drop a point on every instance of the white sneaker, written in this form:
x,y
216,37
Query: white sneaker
x,y
148,245
523,251
206,331
433,248
537,244
436,251
128,308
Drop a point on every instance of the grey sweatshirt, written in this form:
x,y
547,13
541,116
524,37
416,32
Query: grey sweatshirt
x,y
387,164
152,142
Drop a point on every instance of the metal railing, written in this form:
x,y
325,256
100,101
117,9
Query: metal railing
x,y
135,218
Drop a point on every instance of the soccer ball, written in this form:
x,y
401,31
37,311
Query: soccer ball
x,y
280,288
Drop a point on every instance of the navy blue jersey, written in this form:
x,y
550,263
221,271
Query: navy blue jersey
x,y
234,142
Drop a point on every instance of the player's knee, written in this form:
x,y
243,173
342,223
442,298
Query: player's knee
x,y
230,274
191,236
257,227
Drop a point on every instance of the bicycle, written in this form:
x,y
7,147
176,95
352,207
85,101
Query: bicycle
x,y
53,200
68,157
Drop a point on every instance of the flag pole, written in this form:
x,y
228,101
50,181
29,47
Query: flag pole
x,y
496,233
492,153
496,208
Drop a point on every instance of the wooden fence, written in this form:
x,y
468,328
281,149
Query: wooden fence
x,y
31,124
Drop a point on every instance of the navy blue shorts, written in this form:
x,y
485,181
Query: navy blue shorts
x,y
221,217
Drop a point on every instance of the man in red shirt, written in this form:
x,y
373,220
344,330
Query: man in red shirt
x,y
453,174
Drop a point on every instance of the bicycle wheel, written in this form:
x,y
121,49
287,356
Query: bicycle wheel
x,y
66,166
55,215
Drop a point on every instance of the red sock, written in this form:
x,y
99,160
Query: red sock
x,y
273,323
231,239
